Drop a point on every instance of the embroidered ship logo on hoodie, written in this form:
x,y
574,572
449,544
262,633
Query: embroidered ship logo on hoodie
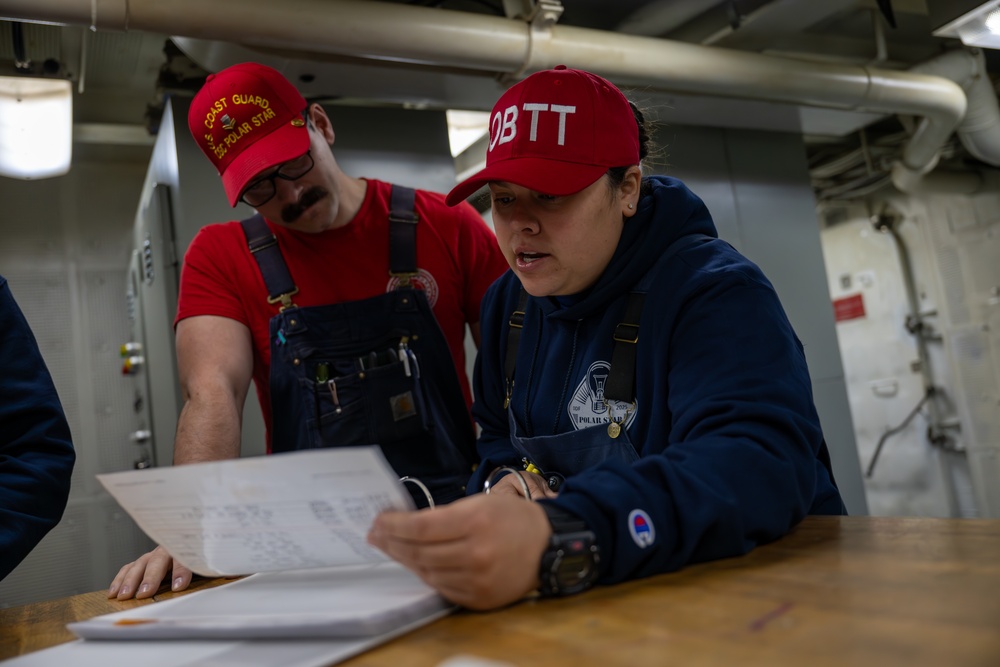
x,y
587,407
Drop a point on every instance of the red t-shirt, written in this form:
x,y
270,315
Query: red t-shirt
x,y
457,256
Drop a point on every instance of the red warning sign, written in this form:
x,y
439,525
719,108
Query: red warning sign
x,y
848,308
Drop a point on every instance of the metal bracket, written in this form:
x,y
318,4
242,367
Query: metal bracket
x,y
546,11
540,15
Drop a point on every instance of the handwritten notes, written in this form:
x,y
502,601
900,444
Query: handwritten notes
x,y
297,510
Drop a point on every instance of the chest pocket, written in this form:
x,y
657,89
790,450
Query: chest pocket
x,y
367,394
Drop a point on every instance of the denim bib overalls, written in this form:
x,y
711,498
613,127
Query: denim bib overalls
x,y
373,371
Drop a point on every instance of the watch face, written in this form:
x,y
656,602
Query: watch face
x,y
570,563
575,568
572,566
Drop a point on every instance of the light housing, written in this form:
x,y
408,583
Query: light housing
x,y
979,26
36,127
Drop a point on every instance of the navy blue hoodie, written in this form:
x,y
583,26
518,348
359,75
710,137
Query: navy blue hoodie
x,y
36,452
731,450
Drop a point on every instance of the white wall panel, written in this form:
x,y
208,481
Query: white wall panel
x,y
64,252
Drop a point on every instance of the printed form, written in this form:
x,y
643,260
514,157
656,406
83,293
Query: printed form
x,y
296,510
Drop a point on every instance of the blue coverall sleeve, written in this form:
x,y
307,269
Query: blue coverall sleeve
x,y
733,462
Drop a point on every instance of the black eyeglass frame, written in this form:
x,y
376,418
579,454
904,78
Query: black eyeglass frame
x,y
278,173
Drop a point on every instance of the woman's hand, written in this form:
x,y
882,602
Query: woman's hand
x,y
481,552
537,485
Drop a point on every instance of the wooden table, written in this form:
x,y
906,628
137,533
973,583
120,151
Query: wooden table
x,y
836,591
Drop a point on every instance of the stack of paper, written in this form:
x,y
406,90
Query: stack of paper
x,y
340,602
300,520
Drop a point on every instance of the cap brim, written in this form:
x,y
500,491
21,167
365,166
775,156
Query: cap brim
x,y
286,143
552,177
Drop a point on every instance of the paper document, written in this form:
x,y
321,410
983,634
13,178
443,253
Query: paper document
x,y
290,511
341,603
217,653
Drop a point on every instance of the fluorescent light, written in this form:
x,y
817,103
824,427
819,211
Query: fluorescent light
x,y
979,27
466,128
36,127
993,22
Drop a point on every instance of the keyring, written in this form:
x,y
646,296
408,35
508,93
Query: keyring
x,y
427,493
489,480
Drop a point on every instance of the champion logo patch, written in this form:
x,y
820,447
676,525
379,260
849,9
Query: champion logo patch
x,y
641,528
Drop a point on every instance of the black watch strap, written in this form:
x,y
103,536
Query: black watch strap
x,y
570,562
563,521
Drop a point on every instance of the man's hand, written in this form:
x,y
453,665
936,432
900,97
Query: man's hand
x,y
481,552
214,365
142,577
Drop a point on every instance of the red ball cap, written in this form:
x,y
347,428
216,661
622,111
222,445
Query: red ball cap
x,y
556,132
248,118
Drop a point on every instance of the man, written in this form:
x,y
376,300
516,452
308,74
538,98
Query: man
x,y
345,301
36,450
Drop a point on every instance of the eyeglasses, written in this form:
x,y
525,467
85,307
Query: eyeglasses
x,y
263,189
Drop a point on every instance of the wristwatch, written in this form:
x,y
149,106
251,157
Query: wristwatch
x,y
569,564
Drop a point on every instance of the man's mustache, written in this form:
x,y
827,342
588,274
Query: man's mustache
x,y
292,212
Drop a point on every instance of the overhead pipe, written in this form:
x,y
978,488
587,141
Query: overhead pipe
x,y
979,130
437,37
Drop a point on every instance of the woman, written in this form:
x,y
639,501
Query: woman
x,y
640,368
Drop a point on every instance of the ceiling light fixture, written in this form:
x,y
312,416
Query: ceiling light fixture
x,y
979,26
36,127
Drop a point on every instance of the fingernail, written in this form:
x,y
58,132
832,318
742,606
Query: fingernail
x,y
143,589
176,585
113,591
125,591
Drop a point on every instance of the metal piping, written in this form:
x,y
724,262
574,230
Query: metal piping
x,y
979,130
659,17
889,221
499,45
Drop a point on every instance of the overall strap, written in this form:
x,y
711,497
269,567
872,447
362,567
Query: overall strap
x,y
264,248
403,234
516,323
620,385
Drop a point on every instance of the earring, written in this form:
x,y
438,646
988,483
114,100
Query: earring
x,y
630,206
